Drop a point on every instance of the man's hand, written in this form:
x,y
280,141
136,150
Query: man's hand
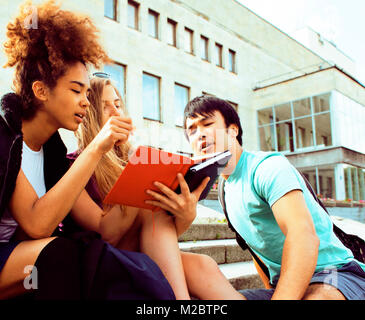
x,y
182,206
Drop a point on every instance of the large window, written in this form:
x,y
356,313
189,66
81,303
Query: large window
x,y
117,74
181,99
322,180
151,97
110,9
267,138
296,126
133,14
153,23
171,32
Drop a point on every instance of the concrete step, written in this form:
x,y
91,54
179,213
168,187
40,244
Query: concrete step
x,y
242,275
207,231
236,264
210,235
222,251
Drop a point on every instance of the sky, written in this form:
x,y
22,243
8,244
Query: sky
x,y
339,21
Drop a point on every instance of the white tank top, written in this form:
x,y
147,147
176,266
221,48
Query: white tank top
x,y
32,166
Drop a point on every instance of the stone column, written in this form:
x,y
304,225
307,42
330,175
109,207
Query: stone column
x,y
340,182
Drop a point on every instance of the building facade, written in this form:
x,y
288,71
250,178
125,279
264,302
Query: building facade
x,y
290,98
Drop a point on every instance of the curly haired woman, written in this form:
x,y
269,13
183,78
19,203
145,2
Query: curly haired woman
x,y
37,187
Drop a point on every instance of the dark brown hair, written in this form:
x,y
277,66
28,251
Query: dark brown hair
x,y
207,105
44,53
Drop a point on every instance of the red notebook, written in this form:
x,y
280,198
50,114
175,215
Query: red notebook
x,y
145,166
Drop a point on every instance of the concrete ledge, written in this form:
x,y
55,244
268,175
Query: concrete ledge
x,y
222,251
350,226
358,204
343,204
349,204
212,195
242,275
327,156
236,254
207,231
329,203
247,282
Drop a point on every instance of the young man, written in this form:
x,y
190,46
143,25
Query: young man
x,y
269,204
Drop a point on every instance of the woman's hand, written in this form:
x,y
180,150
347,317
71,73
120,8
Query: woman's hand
x,y
115,131
182,206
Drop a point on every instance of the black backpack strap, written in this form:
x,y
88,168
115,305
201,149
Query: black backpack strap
x,y
222,201
242,242
310,188
350,241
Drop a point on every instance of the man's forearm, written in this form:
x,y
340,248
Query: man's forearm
x,y
299,261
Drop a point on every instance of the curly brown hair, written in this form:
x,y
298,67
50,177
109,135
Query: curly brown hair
x,y
44,53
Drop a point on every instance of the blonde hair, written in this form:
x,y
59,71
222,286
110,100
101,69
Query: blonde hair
x,y
113,162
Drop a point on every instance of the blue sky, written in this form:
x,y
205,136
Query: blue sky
x,y
340,21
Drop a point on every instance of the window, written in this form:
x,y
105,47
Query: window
x,y
133,14
296,125
153,23
304,133
117,74
284,136
265,116
171,32
284,127
323,129
321,103
151,97
311,176
325,176
181,100
231,61
204,43
302,108
188,44
283,112
110,9
218,55
267,141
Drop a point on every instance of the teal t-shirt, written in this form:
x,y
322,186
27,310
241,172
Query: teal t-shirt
x,y
258,181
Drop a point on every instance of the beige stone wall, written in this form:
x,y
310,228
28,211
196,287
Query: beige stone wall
x,y
310,85
325,48
262,52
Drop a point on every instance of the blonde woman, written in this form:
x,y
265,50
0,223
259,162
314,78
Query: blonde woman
x,y
132,228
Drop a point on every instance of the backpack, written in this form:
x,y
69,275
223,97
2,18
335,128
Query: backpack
x,y
352,242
